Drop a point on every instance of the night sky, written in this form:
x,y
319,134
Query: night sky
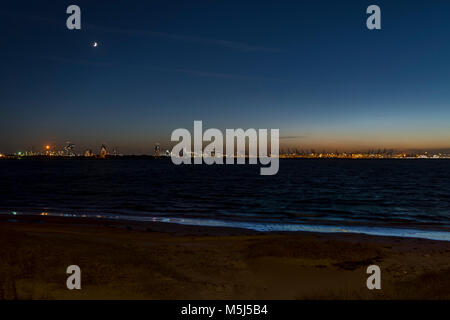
x,y
310,68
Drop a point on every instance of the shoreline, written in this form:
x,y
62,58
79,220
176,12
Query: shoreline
x,y
168,261
327,227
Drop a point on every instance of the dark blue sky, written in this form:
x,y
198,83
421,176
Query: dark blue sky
x,y
309,68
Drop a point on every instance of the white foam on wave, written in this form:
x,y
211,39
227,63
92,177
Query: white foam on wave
x,y
290,227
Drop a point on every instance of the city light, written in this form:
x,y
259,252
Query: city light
x,y
285,153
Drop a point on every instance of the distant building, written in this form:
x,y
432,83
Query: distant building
x,y
68,149
103,151
88,153
157,150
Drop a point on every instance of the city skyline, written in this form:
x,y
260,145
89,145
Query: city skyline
x,y
313,70
70,149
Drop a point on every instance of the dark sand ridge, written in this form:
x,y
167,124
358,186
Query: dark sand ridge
x,y
125,260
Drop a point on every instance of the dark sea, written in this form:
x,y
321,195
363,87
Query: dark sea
x,y
408,198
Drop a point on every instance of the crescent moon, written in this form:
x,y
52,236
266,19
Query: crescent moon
x,y
95,44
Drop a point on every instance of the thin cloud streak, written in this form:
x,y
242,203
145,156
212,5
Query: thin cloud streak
x,y
224,75
235,45
294,137
133,66
194,39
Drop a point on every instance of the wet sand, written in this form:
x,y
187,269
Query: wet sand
x,y
168,261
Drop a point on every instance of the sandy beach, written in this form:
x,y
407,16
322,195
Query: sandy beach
x,y
168,261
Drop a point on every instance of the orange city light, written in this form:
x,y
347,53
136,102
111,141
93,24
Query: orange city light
x,y
47,147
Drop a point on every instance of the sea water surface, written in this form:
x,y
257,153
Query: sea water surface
x,y
408,198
